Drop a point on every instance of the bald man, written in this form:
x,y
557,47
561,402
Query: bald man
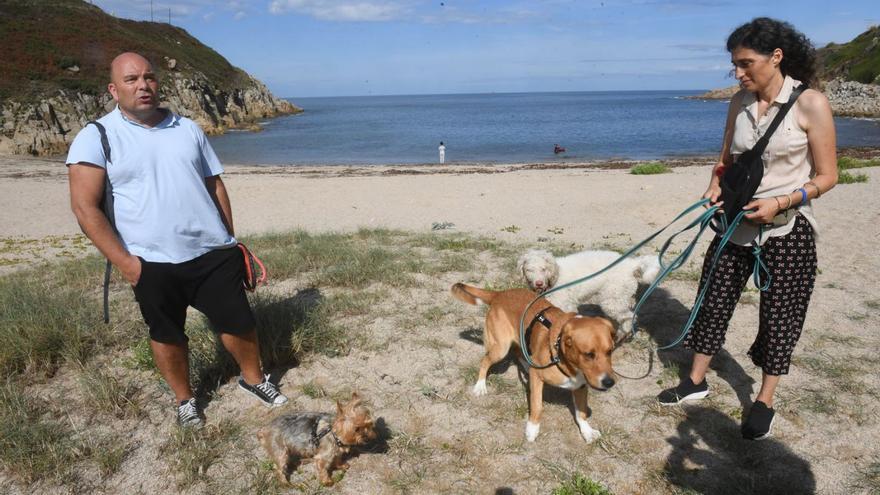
x,y
175,242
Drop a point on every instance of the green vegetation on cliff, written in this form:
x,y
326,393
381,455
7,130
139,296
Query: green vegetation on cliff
x,y
858,60
68,44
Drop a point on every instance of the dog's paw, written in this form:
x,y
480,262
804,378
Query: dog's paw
x,y
480,388
532,430
590,435
587,432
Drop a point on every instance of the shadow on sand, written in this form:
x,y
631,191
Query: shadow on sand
x,y
662,317
277,321
710,456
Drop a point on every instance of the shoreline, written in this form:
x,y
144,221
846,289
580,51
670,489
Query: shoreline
x,y
587,203
25,166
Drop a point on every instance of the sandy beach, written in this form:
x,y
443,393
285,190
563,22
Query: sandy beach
x,y
421,389
587,204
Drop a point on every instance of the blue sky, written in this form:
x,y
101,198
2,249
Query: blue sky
x,y
371,47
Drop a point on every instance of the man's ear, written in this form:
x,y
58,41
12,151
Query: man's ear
x,y
112,89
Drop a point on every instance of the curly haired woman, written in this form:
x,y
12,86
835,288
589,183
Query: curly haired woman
x,y
770,60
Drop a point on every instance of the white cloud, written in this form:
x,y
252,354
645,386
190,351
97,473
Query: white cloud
x,y
343,10
239,15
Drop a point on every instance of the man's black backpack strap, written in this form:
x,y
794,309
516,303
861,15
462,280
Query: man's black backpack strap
x,y
107,208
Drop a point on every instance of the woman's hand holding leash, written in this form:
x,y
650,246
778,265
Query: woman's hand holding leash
x,y
712,194
765,210
714,190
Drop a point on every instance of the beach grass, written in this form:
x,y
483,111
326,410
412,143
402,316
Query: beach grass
x,y
580,485
193,453
107,393
44,324
33,447
848,162
845,177
323,321
869,477
650,168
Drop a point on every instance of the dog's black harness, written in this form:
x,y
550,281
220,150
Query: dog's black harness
x,y
554,360
320,434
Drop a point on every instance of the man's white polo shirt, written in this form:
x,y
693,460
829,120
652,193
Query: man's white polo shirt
x,y
163,210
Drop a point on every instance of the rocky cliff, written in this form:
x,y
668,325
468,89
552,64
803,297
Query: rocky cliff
x,y
853,99
53,78
47,126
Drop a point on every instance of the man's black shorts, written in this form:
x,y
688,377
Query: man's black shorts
x,y
211,283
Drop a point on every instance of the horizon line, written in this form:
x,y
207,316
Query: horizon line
x,y
504,93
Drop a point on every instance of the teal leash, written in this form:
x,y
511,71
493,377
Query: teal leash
x,y
703,221
711,211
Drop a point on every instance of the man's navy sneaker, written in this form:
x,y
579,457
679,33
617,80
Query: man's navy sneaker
x,y
266,391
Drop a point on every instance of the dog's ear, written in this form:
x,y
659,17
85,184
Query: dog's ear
x,y
566,332
554,273
339,409
521,263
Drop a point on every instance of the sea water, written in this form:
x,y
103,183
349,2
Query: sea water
x,y
500,128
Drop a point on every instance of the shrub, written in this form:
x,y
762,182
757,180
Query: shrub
x,y
650,168
847,162
845,177
581,485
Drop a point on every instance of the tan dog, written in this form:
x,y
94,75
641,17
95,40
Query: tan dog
x,y
583,346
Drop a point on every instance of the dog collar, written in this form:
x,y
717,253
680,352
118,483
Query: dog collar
x,y
558,359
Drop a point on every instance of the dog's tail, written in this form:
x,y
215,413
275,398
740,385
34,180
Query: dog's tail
x,y
648,268
472,295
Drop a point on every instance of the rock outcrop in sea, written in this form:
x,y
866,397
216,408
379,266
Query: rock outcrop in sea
x,y
847,98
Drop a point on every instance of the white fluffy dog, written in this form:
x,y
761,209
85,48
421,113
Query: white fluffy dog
x,y
614,291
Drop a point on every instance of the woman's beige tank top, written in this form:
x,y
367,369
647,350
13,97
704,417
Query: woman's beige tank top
x,y
788,162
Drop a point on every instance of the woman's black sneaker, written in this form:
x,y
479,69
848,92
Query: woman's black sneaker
x,y
686,390
759,422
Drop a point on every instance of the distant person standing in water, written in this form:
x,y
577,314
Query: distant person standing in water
x,y
442,150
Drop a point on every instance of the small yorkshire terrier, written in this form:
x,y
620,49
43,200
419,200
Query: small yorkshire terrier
x,y
321,437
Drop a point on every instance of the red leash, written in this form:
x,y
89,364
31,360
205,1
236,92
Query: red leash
x,y
251,263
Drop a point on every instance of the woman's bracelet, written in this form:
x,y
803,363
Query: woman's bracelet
x,y
803,196
788,197
818,191
778,204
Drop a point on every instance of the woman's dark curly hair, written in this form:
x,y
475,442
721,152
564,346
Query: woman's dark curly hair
x,y
764,35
